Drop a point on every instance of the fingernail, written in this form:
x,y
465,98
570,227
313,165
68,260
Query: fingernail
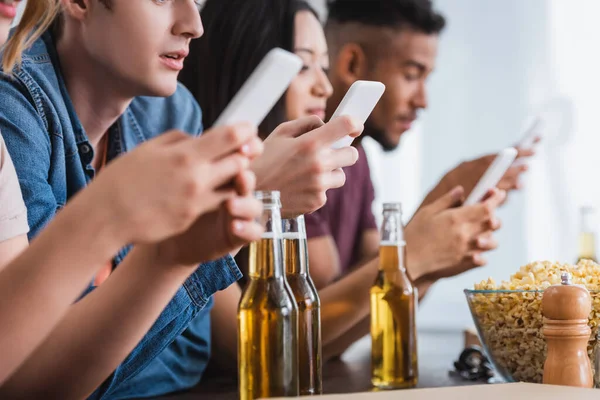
x,y
356,124
245,149
457,192
238,226
481,242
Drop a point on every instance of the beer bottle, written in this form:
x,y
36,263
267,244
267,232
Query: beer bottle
x,y
587,235
267,315
309,306
393,310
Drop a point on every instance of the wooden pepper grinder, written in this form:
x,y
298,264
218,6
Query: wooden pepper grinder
x,y
566,308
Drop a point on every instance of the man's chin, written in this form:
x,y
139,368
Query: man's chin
x,y
388,142
162,88
389,146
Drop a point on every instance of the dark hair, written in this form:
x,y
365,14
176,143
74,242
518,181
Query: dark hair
x,y
237,35
416,14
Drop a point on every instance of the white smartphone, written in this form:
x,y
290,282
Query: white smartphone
x,y
359,102
492,175
253,102
527,142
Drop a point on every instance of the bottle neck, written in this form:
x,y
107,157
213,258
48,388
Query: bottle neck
x,y
587,225
295,255
392,230
392,247
392,257
266,259
295,246
587,237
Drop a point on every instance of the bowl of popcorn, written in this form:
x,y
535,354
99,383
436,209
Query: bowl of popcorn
x,y
509,321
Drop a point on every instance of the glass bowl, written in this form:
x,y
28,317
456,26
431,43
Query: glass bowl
x,y
509,324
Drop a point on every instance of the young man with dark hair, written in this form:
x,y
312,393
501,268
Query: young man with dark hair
x,y
395,42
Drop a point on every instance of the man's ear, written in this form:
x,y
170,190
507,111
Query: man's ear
x,y
351,64
77,9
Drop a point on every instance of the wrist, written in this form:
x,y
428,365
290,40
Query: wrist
x,y
145,267
414,266
256,169
155,262
165,255
94,226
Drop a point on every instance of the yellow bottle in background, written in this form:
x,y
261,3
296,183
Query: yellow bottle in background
x,y
587,235
393,310
267,316
309,306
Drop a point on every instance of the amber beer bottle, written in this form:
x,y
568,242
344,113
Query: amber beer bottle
x,y
393,310
309,306
267,316
587,235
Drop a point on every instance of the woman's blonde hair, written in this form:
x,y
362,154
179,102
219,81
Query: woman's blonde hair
x,y
37,17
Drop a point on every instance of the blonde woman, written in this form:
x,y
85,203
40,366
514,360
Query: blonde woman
x,y
152,197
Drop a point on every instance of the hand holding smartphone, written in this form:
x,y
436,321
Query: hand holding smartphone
x,y
492,175
359,102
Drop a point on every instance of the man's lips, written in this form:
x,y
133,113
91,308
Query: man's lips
x,y
174,60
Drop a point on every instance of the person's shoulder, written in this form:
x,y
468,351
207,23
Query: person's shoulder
x,y
36,60
160,114
33,83
37,52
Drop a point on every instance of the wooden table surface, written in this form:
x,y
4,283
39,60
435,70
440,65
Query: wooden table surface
x,y
351,374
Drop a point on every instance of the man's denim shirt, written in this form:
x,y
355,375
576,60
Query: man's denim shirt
x,y
52,156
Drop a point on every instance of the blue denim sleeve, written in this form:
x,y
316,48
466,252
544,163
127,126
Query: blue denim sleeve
x,y
179,367
158,351
27,141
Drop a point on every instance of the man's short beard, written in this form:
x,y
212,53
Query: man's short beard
x,y
107,4
380,137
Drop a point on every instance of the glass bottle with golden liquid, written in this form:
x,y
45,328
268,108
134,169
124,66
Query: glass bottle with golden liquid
x,y
309,306
267,316
393,310
587,235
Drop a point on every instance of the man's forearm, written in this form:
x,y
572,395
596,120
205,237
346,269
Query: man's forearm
x,y
346,302
104,327
423,287
340,345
